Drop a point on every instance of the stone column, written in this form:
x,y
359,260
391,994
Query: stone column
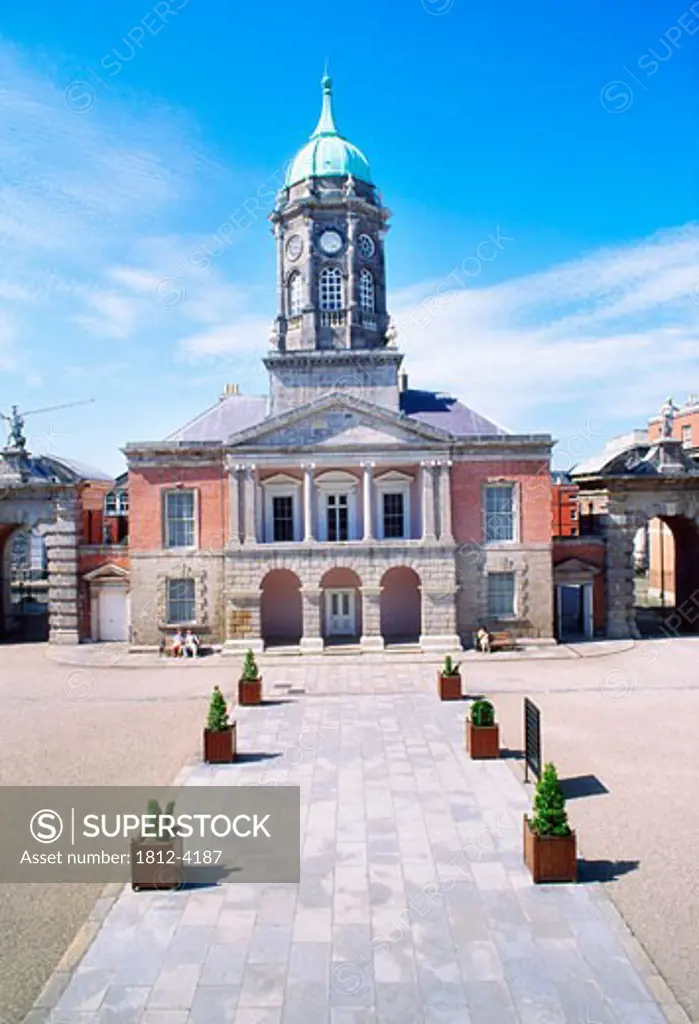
x,y
243,622
234,505
371,639
621,615
312,640
61,539
249,504
427,501
308,501
366,495
259,515
445,529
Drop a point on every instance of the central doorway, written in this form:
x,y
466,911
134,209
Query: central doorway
x,y
340,617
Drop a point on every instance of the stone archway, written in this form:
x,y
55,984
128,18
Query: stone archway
x,y
401,605
24,607
281,612
619,495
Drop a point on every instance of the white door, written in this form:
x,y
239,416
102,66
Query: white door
x,y
112,613
340,612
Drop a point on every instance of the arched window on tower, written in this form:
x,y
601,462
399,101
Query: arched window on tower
x,y
295,295
366,291
331,297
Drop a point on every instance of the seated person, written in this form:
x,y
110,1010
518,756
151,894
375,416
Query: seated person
x,y
483,640
191,644
177,643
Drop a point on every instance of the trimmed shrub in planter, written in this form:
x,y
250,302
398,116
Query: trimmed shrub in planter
x,y
449,680
219,734
482,731
549,841
156,861
250,682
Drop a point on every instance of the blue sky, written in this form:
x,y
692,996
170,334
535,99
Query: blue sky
x,y
556,141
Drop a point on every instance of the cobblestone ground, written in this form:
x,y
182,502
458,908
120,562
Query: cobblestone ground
x,y
388,795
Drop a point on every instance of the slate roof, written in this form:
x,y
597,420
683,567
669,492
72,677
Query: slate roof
x,y
440,410
235,413
230,415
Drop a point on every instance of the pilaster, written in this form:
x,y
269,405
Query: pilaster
x,y
312,639
371,639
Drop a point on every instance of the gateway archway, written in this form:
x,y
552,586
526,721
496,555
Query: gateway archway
x,y
401,606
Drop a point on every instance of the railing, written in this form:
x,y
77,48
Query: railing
x,y
333,318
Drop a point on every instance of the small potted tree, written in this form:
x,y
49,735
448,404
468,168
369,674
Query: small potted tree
x,y
156,856
250,683
482,731
449,680
549,841
219,734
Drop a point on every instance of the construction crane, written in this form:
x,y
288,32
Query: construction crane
x,y
16,438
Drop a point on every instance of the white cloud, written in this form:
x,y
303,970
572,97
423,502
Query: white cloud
x,y
608,335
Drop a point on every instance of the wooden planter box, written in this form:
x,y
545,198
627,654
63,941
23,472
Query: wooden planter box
x,y
219,747
449,687
550,858
482,741
156,864
250,692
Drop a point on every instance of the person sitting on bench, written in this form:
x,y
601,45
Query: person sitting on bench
x,y
191,644
483,640
177,642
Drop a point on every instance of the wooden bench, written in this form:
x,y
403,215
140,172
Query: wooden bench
x,y
501,640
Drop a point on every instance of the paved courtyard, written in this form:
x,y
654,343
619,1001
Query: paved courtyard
x,y
414,905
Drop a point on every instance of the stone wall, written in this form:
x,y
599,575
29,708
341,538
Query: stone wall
x,y
149,575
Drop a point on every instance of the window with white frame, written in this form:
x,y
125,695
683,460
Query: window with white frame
x,y
282,517
116,503
393,515
181,606
366,291
295,294
501,595
331,289
687,435
337,516
393,505
499,512
179,519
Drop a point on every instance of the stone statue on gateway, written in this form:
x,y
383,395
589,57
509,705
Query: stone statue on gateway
x,y
668,413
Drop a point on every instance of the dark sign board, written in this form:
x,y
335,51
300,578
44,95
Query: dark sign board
x,y
532,739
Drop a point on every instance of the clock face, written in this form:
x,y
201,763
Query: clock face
x,y
294,247
331,242
366,246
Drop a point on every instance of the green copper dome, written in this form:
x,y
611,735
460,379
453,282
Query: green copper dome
x,y
327,153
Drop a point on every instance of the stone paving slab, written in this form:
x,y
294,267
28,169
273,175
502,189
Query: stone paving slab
x,y
414,906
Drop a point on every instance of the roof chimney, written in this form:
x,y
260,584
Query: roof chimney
x,y
403,381
231,389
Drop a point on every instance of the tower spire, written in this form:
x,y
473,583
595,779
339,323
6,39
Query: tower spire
x,y
326,121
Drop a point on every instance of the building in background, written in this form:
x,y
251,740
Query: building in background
x,y
345,505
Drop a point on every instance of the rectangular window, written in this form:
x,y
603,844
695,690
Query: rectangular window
x,y
180,601
179,519
393,515
283,517
110,504
687,435
573,513
338,517
116,503
501,594
499,512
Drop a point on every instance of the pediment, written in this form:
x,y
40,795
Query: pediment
x,y
107,572
340,422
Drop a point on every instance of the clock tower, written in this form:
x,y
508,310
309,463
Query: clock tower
x,y
332,331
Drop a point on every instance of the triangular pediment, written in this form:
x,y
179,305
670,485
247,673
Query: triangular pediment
x,y
107,572
343,422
